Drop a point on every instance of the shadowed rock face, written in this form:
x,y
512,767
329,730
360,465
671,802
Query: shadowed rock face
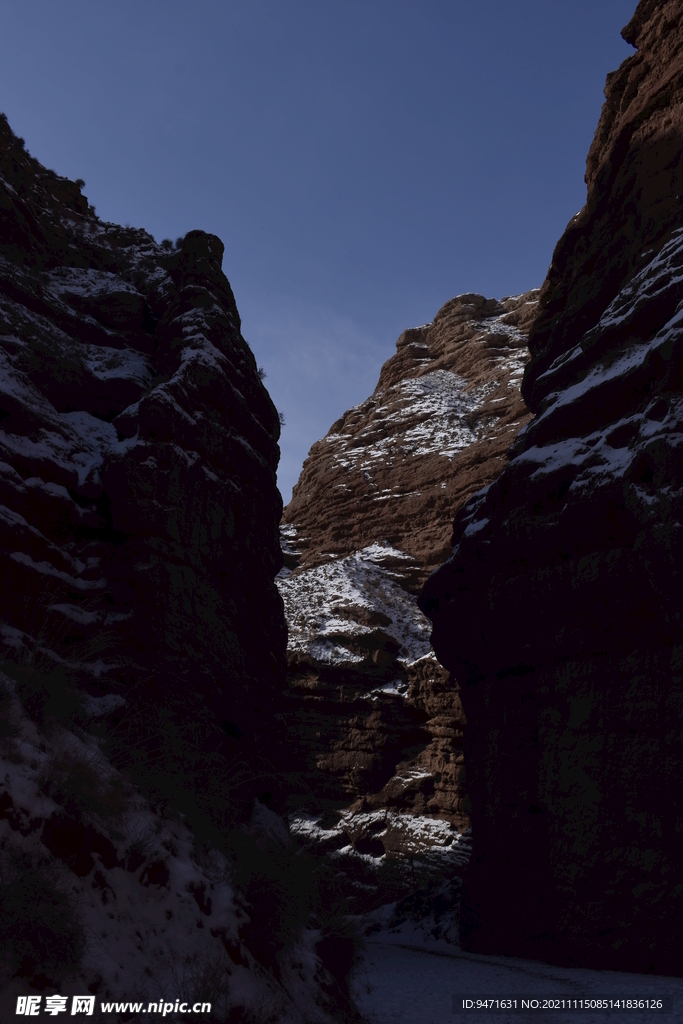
x,y
634,175
374,721
138,450
560,608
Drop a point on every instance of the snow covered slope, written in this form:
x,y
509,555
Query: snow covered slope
x,y
157,914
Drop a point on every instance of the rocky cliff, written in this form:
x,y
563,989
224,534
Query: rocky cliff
x,y
560,609
142,636
138,450
374,723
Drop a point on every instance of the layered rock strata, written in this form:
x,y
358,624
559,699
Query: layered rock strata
x,y
560,608
374,721
142,636
138,450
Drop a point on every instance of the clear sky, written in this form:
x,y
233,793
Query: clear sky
x,y
362,160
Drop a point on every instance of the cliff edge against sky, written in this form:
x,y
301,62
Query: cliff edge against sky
x,y
142,637
138,450
560,609
374,723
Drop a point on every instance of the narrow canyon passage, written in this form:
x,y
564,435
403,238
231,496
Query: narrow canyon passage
x,y
420,733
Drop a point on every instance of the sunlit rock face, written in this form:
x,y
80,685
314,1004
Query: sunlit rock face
x,y
374,722
138,448
560,608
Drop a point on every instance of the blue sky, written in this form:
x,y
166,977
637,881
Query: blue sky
x,y
362,160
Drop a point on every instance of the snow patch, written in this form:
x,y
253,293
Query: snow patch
x,y
432,839
320,602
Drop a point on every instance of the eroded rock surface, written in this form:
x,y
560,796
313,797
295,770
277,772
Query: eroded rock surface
x,y
560,608
138,450
142,636
374,721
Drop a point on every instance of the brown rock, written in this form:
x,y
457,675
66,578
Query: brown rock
x,y
138,449
560,608
373,719
634,176
437,428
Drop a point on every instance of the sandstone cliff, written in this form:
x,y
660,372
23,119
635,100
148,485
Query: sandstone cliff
x,y
374,722
560,609
142,636
138,450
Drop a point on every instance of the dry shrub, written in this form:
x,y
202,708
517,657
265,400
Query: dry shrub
x,y
204,977
78,781
40,931
287,889
278,883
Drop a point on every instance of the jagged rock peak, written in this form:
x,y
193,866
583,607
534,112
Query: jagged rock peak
x,y
375,723
437,427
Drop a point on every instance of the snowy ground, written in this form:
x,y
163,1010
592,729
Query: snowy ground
x,y
404,980
159,914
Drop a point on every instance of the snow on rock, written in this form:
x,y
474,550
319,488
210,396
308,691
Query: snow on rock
x,y
375,722
436,841
393,469
320,606
159,912
560,608
419,416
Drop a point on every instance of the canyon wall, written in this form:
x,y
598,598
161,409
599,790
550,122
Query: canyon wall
x,y
559,611
138,451
142,635
374,723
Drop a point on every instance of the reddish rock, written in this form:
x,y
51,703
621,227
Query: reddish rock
x,y
634,175
138,450
375,722
436,428
560,609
